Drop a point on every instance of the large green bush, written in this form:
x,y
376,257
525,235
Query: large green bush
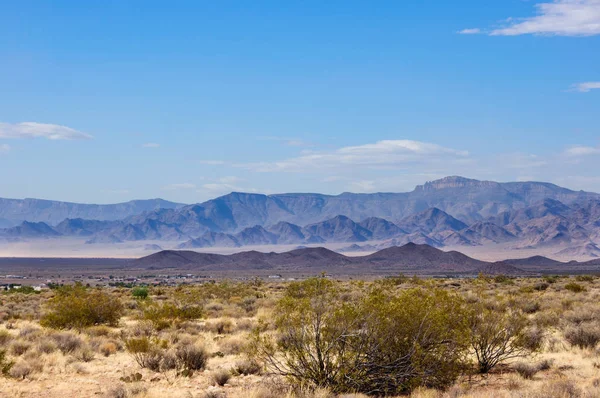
x,y
380,343
79,307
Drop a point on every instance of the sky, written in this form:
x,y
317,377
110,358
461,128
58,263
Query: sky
x,y
104,102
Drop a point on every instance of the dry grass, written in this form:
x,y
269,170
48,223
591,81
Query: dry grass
x,y
94,361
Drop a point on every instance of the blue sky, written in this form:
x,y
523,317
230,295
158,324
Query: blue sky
x,y
188,100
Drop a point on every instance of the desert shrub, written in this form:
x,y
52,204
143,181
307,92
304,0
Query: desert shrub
x,y
108,348
574,287
247,367
163,315
499,335
80,307
525,370
562,388
585,335
67,342
541,286
221,376
584,278
191,357
97,331
19,347
84,354
245,324
503,279
20,370
232,345
118,391
147,354
530,307
5,364
545,364
30,333
140,293
46,347
384,343
5,337
221,326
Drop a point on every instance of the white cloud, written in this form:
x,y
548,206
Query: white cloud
x,y
174,187
580,150
212,162
586,87
363,186
229,180
521,161
382,154
559,18
4,148
473,31
117,191
41,130
151,145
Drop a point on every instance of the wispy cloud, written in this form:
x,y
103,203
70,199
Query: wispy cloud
x,y
41,130
288,141
580,150
585,87
212,162
472,31
558,18
381,154
151,145
175,187
4,148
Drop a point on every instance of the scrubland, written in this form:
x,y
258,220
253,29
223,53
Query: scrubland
x,y
480,337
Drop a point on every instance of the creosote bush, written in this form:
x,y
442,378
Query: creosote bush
x,y
79,307
500,333
383,343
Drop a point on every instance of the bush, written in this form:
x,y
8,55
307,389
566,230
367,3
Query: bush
x,y
247,367
84,354
221,326
20,370
221,377
383,344
163,315
574,287
140,292
79,307
584,278
586,335
5,364
191,357
18,347
67,342
108,348
499,335
525,370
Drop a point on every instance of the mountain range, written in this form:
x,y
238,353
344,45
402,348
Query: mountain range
x,y
453,211
411,258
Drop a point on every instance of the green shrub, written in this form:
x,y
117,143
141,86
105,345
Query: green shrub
x,y
574,287
500,333
383,343
79,307
163,315
140,293
584,278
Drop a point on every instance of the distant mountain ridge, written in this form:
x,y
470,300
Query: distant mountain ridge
x,y
15,211
453,211
411,258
